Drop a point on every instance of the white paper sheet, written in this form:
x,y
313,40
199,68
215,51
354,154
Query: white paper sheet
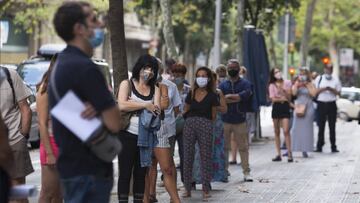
x,y
68,111
23,191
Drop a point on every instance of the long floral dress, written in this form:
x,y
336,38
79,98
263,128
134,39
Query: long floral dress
x,y
218,155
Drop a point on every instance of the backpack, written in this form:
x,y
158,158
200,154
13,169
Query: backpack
x,y
8,77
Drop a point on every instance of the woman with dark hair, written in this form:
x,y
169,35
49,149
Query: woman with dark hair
x,y
144,95
280,95
200,110
302,131
219,173
50,182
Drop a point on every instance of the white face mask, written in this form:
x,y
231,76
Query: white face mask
x,y
278,75
202,82
328,76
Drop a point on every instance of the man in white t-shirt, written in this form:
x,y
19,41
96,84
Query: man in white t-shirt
x,y
328,87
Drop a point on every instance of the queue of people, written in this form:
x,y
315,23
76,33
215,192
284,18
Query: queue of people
x,y
206,118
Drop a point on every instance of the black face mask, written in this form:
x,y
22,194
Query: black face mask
x,y
233,73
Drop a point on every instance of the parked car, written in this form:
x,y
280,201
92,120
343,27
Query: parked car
x,y
349,104
32,71
10,66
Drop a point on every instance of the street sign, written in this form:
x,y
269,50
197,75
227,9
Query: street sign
x,y
356,66
346,57
292,28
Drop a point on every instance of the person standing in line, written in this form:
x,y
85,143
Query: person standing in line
x,y
280,95
328,87
237,93
163,151
200,110
302,131
16,114
221,73
50,182
179,73
84,176
218,154
144,94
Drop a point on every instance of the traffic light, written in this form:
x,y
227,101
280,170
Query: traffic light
x,y
292,71
325,60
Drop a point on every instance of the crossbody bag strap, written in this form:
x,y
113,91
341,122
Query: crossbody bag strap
x,y
53,82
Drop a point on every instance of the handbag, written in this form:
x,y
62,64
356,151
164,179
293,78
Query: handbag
x,y
300,110
102,143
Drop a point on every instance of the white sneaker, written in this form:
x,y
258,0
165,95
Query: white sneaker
x,y
248,178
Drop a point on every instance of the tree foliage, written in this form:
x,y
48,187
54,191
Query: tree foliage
x,y
30,13
344,26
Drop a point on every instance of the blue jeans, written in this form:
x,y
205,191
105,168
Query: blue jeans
x,y
87,188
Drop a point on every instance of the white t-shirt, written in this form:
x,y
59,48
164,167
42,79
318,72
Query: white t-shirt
x,y
327,96
174,101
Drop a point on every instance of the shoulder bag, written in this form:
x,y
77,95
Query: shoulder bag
x,y
125,116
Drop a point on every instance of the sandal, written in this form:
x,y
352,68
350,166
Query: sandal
x,y
152,198
206,197
186,194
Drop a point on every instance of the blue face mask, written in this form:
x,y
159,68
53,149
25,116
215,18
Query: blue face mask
x,y
98,37
179,80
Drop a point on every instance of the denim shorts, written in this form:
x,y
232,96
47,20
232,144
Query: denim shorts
x,y
87,188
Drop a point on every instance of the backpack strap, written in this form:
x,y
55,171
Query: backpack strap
x,y
8,77
319,81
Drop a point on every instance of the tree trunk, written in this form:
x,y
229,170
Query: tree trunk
x,y
240,28
187,50
168,29
117,34
307,32
272,51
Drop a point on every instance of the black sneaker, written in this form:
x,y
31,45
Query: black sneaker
x,y
335,150
277,158
318,150
232,163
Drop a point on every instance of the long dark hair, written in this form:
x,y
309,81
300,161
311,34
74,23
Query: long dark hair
x,y
272,76
43,84
143,61
209,86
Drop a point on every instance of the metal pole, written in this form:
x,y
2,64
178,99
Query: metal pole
x,y
286,42
217,48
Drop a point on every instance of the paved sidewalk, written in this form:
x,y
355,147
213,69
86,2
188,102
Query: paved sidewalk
x,y
324,177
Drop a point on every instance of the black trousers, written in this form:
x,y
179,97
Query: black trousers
x,y
327,111
129,166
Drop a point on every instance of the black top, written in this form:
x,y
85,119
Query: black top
x,y
75,71
202,108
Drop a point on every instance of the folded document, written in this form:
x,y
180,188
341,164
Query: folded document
x,y
68,111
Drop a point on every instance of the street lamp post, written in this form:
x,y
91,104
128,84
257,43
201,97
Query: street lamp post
x,y
217,46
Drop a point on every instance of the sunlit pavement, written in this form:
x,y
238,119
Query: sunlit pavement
x,y
323,177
